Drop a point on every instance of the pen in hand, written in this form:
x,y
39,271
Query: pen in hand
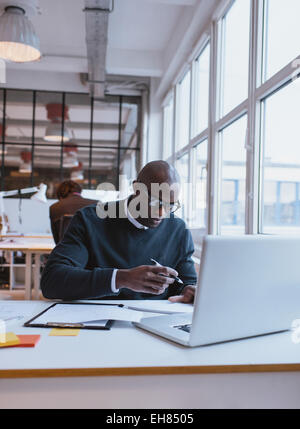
x,y
159,265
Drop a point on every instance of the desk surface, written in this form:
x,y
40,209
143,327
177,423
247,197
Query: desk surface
x,y
33,244
127,350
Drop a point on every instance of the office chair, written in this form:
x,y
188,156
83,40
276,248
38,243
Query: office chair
x,y
64,222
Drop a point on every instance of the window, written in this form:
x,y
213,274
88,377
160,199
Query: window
x,y
52,136
246,110
182,166
235,29
282,34
233,177
199,203
183,109
168,128
281,161
201,92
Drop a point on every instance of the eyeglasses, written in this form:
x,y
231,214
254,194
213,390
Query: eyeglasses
x,y
157,203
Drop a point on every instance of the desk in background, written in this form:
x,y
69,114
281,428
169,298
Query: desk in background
x,y
130,368
30,245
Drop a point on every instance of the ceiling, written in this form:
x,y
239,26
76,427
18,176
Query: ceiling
x,y
143,38
139,32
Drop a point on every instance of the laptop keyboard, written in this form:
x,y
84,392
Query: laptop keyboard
x,y
185,328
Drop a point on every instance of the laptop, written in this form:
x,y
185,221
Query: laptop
x,y
247,286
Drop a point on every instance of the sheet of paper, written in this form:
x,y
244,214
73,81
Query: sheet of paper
x,y
16,311
166,307
85,313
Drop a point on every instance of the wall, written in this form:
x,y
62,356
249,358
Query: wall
x,y
43,80
154,149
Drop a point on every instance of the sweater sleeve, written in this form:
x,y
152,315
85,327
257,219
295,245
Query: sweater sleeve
x,y
65,275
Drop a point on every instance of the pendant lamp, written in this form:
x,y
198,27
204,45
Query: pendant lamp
x,y
18,40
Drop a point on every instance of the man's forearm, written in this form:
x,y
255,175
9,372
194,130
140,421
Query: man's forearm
x,y
62,281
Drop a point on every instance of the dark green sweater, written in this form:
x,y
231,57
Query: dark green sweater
x,y
81,265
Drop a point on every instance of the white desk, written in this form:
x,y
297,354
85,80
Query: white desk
x,y
30,245
129,368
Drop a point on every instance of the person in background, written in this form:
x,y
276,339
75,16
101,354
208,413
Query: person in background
x,y
69,201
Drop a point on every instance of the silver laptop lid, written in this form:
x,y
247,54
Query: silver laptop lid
x,y
247,286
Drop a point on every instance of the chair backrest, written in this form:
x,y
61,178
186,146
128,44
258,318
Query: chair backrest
x,y
64,222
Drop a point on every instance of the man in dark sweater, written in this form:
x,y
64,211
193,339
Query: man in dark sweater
x,y
109,256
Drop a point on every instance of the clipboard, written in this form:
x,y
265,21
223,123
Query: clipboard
x,y
31,324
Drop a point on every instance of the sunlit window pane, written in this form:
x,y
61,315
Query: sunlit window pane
x,y
183,111
281,162
201,92
235,55
282,34
232,219
168,128
182,166
198,219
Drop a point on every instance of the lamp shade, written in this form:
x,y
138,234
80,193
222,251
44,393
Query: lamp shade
x,y
55,113
18,40
53,133
40,195
70,159
77,172
25,165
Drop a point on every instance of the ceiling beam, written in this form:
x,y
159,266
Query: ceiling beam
x,y
126,62
134,62
68,124
48,151
54,63
96,29
18,142
13,162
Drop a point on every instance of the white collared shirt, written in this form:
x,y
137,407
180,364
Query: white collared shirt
x,y
137,225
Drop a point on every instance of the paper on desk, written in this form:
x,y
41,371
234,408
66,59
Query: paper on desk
x,y
12,312
82,313
165,307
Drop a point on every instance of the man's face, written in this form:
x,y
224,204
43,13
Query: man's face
x,y
160,200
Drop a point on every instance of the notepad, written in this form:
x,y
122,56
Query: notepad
x,y
28,340
60,332
13,340
8,339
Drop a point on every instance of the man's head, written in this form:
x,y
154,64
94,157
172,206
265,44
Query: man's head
x,y
158,185
66,188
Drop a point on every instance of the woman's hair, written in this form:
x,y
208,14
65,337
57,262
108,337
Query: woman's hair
x,y
66,188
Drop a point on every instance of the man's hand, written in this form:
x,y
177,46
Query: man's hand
x,y
146,278
187,295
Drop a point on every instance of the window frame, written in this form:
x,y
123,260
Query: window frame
x,y
258,91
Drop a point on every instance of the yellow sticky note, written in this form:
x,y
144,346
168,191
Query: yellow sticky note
x,y
8,339
57,332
